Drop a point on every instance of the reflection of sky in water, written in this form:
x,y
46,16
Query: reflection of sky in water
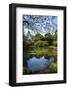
x,y
36,64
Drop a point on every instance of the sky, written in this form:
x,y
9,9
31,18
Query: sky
x,y
39,24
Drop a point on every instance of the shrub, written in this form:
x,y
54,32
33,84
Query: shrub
x,y
38,37
55,43
41,43
38,43
45,43
48,37
53,67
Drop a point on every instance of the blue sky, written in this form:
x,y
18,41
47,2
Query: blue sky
x,y
40,24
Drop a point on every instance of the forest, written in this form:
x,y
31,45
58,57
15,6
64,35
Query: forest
x,y
40,41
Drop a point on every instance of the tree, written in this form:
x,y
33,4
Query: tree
x,y
55,36
38,37
49,38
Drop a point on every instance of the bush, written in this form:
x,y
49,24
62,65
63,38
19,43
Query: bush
x,y
48,37
41,43
38,43
53,67
38,37
55,43
45,43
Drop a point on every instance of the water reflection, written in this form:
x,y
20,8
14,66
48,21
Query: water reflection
x,y
40,61
39,64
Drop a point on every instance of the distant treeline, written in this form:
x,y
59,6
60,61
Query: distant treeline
x,y
39,40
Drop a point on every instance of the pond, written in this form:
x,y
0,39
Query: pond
x,y
37,62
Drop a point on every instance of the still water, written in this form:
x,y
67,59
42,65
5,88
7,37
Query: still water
x,y
40,61
39,64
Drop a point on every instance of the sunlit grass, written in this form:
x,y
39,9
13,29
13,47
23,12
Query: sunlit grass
x,y
51,51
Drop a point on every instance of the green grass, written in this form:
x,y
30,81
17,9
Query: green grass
x,y
49,51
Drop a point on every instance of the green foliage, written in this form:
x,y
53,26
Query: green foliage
x,y
55,43
55,36
48,37
40,43
53,67
39,51
38,37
